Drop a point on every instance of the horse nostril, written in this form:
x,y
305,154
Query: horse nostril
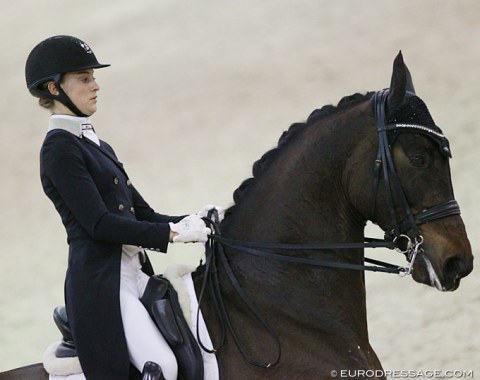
x,y
455,268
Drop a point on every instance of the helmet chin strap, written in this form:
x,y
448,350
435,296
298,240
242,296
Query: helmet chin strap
x,y
63,98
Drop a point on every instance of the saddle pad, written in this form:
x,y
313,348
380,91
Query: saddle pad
x,y
60,366
209,360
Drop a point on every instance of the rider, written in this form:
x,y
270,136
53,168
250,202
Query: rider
x,y
106,219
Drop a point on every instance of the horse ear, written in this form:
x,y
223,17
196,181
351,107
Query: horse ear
x,y
401,83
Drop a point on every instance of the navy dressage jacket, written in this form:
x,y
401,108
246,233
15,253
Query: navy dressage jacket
x,y
101,210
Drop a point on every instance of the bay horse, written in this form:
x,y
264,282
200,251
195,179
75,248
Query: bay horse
x,y
301,314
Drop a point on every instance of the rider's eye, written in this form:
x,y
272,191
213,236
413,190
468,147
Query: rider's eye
x,y
418,160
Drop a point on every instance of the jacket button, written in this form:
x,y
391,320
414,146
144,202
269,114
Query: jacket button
x,y
121,207
116,181
129,183
132,209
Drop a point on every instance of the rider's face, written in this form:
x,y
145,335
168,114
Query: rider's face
x,y
81,87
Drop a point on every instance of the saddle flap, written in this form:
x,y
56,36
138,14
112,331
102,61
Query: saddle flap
x,y
161,301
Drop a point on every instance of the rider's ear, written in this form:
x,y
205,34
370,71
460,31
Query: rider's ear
x,y
400,83
52,88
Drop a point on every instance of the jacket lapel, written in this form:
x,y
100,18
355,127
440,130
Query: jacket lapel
x,y
105,152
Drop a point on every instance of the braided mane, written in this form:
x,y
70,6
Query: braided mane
x,y
259,167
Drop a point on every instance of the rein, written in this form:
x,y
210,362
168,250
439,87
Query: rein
x,y
384,167
252,248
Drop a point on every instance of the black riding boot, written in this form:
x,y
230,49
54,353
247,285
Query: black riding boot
x,y
152,371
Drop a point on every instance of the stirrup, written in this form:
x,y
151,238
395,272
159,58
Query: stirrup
x,y
152,371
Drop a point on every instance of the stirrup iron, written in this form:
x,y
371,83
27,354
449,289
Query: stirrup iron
x,y
152,371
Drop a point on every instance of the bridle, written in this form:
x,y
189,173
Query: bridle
x,y
383,167
404,233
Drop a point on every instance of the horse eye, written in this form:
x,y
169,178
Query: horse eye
x,y
418,160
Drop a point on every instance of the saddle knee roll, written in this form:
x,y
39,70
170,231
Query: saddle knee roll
x,y
164,317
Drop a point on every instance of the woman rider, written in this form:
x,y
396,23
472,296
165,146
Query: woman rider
x,y
106,219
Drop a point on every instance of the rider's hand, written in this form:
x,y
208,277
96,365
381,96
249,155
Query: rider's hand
x,y
203,213
190,229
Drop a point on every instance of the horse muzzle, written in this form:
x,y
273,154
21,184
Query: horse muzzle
x,y
444,276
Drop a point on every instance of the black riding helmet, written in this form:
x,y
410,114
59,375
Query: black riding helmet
x,y
52,58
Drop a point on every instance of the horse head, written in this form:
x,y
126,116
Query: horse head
x,y
420,175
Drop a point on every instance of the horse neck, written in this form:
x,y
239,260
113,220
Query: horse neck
x,y
303,195
301,198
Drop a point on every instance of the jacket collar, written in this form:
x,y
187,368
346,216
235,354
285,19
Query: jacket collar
x,y
82,127
73,124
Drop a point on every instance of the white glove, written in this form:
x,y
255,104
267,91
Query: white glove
x,y
190,229
203,213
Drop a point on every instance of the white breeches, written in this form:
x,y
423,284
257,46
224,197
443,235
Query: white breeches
x,y
144,340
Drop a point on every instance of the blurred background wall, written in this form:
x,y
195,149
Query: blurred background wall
x,y
197,92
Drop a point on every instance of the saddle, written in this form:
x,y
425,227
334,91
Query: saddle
x,y
161,301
